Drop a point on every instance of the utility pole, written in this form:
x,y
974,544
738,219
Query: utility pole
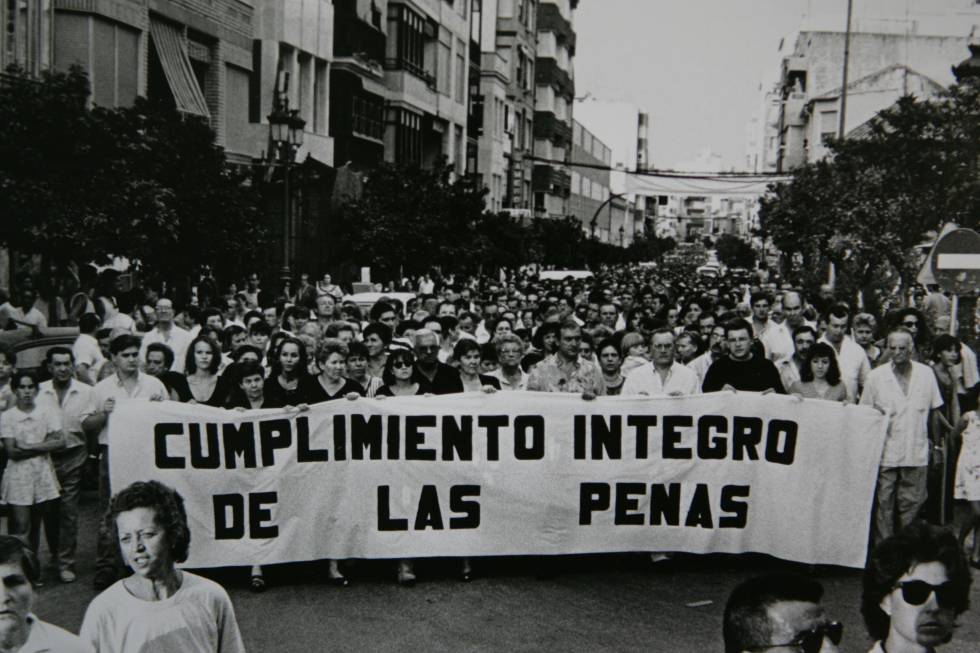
x,y
843,88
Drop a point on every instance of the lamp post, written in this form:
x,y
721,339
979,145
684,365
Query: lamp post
x,y
622,236
285,138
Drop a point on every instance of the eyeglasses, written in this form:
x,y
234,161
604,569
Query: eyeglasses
x,y
400,363
912,324
916,592
810,641
428,348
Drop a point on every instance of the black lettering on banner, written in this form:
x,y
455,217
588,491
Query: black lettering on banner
x,y
578,437
223,529
365,435
699,512
712,448
429,514
523,450
665,504
339,437
303,452
239,442
469,510
786,454
591,497
457,437
493,424
415,437
627,504
162,459
200,460
738,511
642,424
257,514
274,434
607,437
746,436
672,437
394,438
385,522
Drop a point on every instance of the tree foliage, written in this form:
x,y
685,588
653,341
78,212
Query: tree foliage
x,y
735,252
143,182
868,205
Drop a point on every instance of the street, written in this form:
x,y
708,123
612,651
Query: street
x,y
579,603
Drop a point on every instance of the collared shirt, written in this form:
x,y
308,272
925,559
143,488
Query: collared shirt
x,y
853,363
87,352
176,338
789,371
48,638
112,388
646,380
553,374
701,364
777,340
78,404
507,385
907,442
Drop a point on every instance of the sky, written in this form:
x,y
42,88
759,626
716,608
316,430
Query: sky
x,y
696,65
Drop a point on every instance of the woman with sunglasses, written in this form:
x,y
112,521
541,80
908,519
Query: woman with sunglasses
x,y
400,378
915,586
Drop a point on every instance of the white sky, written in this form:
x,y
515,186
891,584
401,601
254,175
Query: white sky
x,y
696,65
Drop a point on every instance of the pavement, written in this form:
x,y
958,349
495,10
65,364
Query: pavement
x,y
571,603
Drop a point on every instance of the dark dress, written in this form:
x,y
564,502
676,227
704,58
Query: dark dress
x,y
320,393
446,380
424,388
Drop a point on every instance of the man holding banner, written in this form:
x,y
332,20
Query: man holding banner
x,y
565,370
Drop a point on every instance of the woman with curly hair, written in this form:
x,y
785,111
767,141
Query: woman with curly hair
x,y
159,607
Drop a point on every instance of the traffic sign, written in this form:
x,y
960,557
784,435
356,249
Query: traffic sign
x,y
956,261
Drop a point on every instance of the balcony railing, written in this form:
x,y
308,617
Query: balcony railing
x,y
355,38
412,67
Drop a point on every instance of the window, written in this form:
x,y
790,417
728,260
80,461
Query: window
x,y
408,137
409,29
366,116
460,72
443,70
828,124
114,51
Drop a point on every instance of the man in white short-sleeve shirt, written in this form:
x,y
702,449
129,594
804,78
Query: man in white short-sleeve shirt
x,y
664,376
906,392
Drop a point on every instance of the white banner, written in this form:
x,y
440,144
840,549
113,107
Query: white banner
x,y
511,474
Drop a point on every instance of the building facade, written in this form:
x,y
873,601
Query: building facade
x,y
589,187
554,79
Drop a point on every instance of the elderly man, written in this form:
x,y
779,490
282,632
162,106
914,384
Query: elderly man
x,y
907,392
793,311
168,333
664,376
779,612
717,348
565,370
442,378
851,358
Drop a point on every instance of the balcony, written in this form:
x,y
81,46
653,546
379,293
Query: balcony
x,y
547,72
552,180
414,69
548,126
550,19
352,37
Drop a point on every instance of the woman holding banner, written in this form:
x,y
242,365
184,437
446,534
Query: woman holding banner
x,y
159,607
289,383
467,354
820,376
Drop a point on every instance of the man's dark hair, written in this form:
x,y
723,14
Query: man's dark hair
x,y
168,353
58,351
737,324
759,297
383,331
804,328
897,555
260,328
247,369
16,551
123,342
241,350
448,323
746,622
357,348
380,308
840,310
406,325
334,328
168,508
229,333
89,323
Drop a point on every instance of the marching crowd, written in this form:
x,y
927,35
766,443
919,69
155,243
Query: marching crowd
x,y
634,331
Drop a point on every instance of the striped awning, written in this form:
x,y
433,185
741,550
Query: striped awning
x,y
170,47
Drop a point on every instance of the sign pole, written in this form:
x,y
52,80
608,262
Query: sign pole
x,y
953,312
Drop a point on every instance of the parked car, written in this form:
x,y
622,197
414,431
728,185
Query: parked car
x,y
31,345
365,300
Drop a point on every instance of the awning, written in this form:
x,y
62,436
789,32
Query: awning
x,y
169,44
697,184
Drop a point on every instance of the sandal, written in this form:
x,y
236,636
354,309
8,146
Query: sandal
x,y
338,581
257,583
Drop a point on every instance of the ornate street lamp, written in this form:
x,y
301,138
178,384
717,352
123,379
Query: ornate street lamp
x,y
285,138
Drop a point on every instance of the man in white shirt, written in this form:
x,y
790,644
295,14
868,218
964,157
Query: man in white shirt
x,y
907,392
717,346
73,402
664,376
20,311
791,367
774,337
126,383
86,351
167,332
851,358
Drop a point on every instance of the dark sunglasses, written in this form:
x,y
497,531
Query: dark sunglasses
x,y
400,363
911,323
916,592
811,641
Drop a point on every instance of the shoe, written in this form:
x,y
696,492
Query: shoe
x,y
406,575
466,573
257,584
338,581
67,576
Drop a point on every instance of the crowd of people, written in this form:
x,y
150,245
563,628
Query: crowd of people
x,y
634,331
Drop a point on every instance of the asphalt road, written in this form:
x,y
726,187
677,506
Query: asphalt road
x,y
576,603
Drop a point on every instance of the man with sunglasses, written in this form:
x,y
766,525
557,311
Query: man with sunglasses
x,y
915,586
781,613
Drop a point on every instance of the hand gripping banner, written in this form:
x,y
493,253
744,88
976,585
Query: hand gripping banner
x,y
511,474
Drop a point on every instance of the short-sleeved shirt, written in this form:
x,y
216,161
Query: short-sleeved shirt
x,y
553,374
78,404
197,618
87,352
646,380
907,442
176,338
777,340
31,480
853,363
111,387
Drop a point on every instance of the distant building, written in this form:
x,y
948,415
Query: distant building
x,y
590,162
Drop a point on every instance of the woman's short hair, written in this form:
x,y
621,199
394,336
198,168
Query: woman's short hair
x,y
897,555
190,365
168,353
383,331
605,344
357,348
944,342
465,346
629,341
329,347
507,339
18,375
14,550
399,354
821,350
168,508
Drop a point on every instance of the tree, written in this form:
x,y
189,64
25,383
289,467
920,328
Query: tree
x,y
734,252
143,182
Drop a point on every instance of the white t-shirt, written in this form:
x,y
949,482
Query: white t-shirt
x,y
87,352
48,638
198,618
907,443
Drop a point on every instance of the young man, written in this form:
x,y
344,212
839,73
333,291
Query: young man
x,y
86,351
740,370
